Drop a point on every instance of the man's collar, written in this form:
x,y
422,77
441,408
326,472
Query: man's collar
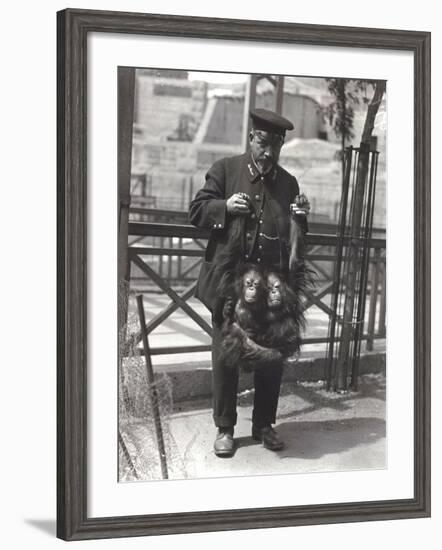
x,y
253,172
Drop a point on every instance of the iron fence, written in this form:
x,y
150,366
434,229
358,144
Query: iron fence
x,y
166,257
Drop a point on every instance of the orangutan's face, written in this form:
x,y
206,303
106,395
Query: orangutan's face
x,y
253,287
274,290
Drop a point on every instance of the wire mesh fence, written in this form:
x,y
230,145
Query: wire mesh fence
x,y
139,457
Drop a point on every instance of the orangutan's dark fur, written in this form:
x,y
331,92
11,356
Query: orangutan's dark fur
x,y
284,317
244,320
256,335
238,350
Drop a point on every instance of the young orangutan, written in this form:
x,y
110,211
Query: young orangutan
x,y
244,320
284,317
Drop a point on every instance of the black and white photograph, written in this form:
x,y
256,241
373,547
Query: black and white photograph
x,y
205,341
251,285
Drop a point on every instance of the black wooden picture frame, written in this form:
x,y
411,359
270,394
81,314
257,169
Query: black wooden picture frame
x,y
74,25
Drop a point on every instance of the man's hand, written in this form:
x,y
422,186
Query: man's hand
x,y
300,206
238,204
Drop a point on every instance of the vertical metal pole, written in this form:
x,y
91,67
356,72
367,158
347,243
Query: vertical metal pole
x,y
249,105
373,300
183,193
191,187
338,265
179,267
160,266
360,314
152,389
382,305
169,263
363,280
352,267
368,233
126,90
342,84
279,94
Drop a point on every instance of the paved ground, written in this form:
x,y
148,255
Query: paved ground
x,y
323,432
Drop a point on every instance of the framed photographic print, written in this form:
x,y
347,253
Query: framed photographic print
x,y
236,347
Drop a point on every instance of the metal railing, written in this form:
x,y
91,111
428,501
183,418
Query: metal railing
x,y
167,256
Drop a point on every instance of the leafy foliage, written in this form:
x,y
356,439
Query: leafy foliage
x,y
349,95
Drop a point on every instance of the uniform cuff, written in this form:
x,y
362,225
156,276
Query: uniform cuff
x,y
218,211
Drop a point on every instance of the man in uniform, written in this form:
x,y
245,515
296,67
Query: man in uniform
x,y
272,192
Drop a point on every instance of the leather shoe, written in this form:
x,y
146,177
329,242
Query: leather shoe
x,y
224,444
268,436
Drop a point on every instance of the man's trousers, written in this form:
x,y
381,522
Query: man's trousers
x,y
267,384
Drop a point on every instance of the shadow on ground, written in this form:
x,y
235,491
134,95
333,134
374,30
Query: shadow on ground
x,y
328,437
48,526
315,439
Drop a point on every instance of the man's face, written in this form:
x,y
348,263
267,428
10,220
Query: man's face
x,y
265,148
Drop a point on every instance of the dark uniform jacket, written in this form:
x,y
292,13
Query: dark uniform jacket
x,y
267,227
